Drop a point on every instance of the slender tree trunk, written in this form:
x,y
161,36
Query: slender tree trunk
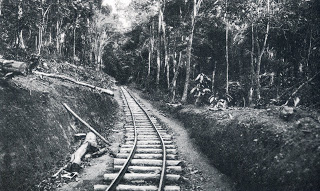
x,y
227,50
41,28
21,40
196,6
261,52
149,62
188,68
58,34
175,77
0,7
40,31
166,58
74,44
227,60
40,40
158,48
57,37
168,71
50,36
308,56
151,48
158,67
252,73
213,76
36,43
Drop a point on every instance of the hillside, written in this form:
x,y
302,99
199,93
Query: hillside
x,y
36,134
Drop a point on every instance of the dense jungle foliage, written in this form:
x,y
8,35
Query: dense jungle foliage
x,y
254,52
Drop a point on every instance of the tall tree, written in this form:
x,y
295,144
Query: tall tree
x,y
227,48
261,51
160,20
196,7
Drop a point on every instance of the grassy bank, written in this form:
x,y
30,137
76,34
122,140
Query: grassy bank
x,y
36,134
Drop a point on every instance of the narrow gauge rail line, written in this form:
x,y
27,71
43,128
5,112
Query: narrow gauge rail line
x,y
147,160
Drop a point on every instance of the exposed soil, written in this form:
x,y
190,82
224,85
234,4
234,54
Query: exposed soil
x,y
93,174
36,132
199,173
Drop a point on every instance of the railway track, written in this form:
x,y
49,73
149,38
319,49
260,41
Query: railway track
x,y
148,158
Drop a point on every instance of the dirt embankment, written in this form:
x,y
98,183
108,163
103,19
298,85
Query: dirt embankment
x,y
36,132
256,148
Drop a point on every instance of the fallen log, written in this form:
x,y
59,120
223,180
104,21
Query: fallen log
x,y
86,124
102,90
18,67
14,66
90,143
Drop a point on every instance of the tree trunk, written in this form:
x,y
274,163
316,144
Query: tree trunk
x,y
166,63
40,32
41,27
158,48
307,70
89,143
196,6
36,43
151,47
40,40
14,66
158,66
57,38
149,58
227,50
102,90
227,60
213,77
165,46
74,44
21,41
175,77
252,73
0,7
261,52
149,63
188,68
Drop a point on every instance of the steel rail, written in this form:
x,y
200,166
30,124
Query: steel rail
x,y
124,168
164,159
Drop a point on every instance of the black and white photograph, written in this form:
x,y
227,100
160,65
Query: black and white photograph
x,y
159,95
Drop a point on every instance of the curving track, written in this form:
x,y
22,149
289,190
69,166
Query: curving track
x,y
147,160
